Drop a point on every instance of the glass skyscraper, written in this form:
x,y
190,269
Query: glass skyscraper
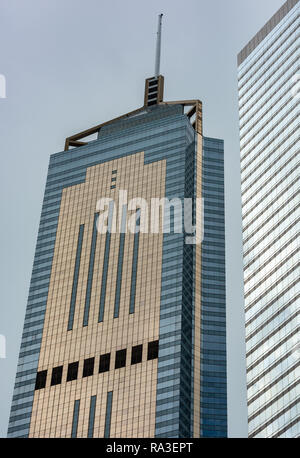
x,y
125,332
268,70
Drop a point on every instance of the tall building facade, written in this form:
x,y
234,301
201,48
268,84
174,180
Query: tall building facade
x,y
269,134
125,332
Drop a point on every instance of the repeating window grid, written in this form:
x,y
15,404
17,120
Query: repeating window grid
x,y
83,282
79,369
272,330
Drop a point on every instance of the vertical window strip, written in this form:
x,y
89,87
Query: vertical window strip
x,y
75,278
108,414
134,264
120,262
105,263
75,418
90,273
92,416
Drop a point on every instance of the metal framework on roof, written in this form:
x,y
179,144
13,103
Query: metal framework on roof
x,y
153,97
154,91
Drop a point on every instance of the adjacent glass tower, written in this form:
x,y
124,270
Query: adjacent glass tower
x,y
269,134
125,333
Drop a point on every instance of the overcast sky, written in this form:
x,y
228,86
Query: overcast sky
x,y
71,64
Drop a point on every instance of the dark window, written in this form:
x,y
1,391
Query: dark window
x,y
88,367
136,354
56,375
40,380
75,418
114,172
113,187
75,278
152,96
152,89
153,350
108,414
134,263
90,272
114,179
120,359
72,371
104,363
153,82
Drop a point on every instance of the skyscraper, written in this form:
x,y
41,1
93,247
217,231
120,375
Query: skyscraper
x,y
125,331
268,69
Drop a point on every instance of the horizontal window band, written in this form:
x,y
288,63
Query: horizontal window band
x,y
25,373
268,387
268,274
268,353
272,257
283,277
286,428
83,168
46,267
20,417
80,176
265,113
271,129
269,369
24,405
274,418
286,53
28,353
34,333
271,230
31,343
277,329
41,286
47,235
33,323
25,383
263,161
13,429
38,296
263,80
268,193
175,130
162,424
280,236
273,301
276,37
262,174
272,317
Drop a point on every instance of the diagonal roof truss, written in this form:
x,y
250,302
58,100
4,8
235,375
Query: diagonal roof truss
x,y
194,115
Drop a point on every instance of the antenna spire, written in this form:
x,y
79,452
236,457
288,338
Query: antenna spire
x,y
154,87
158,46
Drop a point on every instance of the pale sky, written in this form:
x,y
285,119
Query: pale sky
x,y
72,64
